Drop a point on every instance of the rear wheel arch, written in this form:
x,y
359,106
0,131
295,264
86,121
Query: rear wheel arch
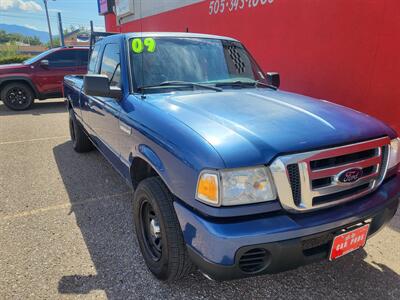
x,y
69,105
80,141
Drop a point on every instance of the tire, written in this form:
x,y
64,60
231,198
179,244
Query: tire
x,y
17,96
79,139
171,262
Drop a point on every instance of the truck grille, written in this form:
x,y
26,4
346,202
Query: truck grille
x,y
312,180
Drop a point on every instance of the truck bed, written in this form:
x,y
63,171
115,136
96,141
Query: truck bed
x,y
72,89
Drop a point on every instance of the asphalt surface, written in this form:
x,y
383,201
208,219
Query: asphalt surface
x,y
66,231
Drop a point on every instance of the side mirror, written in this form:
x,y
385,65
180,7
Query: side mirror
x,y
273,79
99,85
44,63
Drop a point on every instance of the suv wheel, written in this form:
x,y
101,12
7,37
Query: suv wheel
x,y
158,231
17,96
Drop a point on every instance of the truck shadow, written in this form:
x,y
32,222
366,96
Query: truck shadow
x,y
37,109
101,203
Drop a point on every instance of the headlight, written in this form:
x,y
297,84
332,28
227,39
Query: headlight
x,y
394,153
236,187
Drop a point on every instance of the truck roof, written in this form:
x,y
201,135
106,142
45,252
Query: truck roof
x,y
74,47
177,34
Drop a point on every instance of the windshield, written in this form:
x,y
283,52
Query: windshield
x,y
38,57
197,60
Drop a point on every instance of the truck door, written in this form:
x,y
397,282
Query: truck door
x,y
93,68
103,112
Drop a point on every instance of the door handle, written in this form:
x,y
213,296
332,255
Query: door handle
x,y
125,128
92,105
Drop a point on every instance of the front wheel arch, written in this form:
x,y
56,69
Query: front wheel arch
x,y
140,169
17,95
23,80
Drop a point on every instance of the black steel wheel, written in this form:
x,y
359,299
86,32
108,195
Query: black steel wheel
x,y
158,231
151,230
17,96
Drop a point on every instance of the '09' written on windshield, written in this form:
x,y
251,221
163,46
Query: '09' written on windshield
x,y
222,6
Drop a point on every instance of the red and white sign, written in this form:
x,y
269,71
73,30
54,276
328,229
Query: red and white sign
x,y
348,242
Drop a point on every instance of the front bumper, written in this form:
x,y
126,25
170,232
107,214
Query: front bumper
x,y
216,246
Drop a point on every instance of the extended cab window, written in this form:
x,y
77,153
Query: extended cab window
x,y
62,59
93,59
110,64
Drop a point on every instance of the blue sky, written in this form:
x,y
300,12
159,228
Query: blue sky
x,y
31,13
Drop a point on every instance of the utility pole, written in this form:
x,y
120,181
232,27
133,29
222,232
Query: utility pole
x,y
48,23
60,30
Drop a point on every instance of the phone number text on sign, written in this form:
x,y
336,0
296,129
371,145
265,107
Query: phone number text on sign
x,y
221,6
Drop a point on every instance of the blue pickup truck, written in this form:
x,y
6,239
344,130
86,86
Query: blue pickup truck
x,y
230,174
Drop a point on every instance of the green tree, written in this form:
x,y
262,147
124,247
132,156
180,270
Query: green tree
x,y
12,38
35,41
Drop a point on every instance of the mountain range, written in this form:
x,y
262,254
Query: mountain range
x,y
42,35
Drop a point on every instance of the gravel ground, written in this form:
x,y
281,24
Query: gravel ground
x,y
66,231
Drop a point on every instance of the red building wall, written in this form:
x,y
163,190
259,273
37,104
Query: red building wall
x,y
345,51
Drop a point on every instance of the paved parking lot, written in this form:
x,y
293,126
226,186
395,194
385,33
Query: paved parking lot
x,y
66,231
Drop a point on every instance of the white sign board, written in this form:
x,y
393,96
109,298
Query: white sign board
x,y
124,7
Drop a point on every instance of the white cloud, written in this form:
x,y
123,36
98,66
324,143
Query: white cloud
x,y
31,27
20,4
29,5
99,28
54,10
6,4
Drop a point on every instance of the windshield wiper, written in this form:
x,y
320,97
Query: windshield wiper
x,y
245,84
180,84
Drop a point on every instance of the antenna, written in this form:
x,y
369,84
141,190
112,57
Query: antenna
x,y
141,37
91,41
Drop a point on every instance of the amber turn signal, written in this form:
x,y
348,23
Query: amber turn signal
x,y
207,188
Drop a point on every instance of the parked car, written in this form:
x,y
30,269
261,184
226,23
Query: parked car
x,y
231,175
40,77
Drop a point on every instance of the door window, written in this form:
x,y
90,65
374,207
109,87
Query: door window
x,y
93,60
62,59
110,64
82,56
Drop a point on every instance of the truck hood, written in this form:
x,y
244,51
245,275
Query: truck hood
x,y
252,126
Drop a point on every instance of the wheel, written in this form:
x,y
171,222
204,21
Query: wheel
x,y
158,231
79,139
17,96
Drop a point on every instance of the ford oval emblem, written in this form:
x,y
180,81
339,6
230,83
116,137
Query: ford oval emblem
x,y
350,175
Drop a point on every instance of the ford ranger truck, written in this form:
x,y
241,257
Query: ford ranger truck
x,y
40,77
230,174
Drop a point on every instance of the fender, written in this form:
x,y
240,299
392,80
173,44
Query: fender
x,y
149,156
27,80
